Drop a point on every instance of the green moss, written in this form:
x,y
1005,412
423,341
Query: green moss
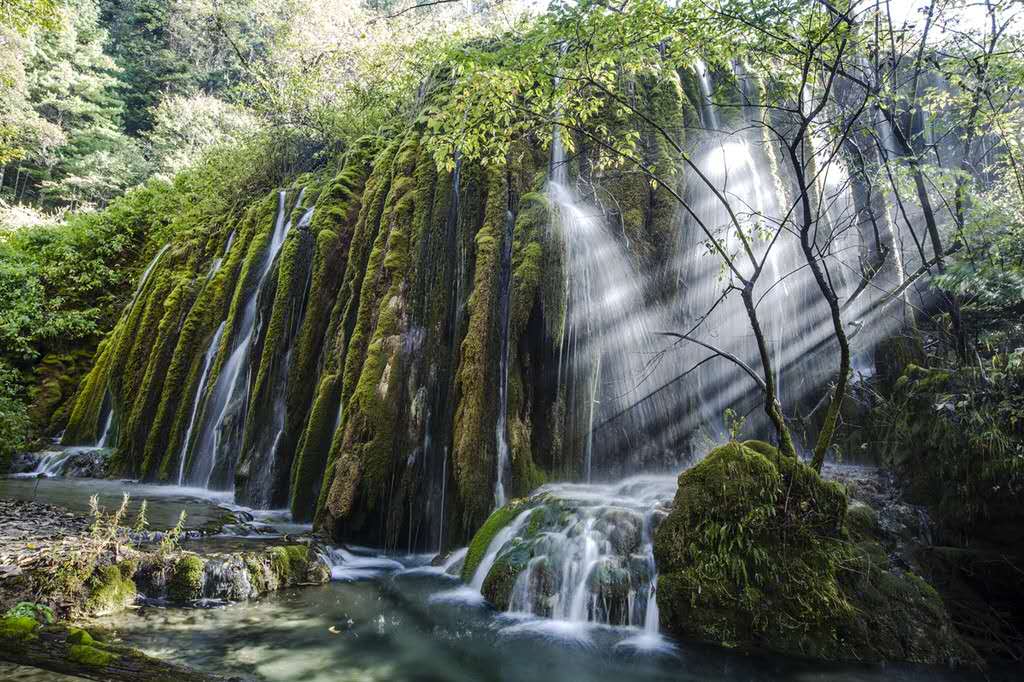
x,y
954,438
110,590
500,518
374,362
79,636
289,563
349,305
90,655
186,582
755,554
18,628
473,444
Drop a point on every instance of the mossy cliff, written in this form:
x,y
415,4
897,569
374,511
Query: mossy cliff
x,y
352,376
954,437
758,553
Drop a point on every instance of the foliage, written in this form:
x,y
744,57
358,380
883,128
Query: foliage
x,y
14,421
957,437
24,14
39,612
186,126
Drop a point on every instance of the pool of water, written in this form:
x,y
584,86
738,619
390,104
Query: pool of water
x,y
403,621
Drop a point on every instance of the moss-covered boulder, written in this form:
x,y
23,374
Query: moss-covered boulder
x,y
758,553
111,588
186,582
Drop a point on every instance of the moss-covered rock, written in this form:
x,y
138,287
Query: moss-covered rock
x,y
758,553
500,518
89,655
110,589
186,582
15,629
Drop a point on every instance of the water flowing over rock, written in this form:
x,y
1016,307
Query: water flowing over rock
x,y
576,552
392,348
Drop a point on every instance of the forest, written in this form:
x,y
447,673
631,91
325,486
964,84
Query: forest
x,y
512,339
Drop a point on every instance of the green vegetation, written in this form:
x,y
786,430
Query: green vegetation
x,y
758,553
500,518
156,135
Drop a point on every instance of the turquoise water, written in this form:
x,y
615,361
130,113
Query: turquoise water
x,y
419,625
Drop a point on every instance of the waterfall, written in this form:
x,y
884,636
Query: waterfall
x,y
497,544
219,260
609,350
52,463
448,273
504,296
740,165
708,112
584,552
146,273
263,462
211,351
104,440
229,395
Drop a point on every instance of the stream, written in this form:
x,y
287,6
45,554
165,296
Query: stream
x,y
415,623
396,617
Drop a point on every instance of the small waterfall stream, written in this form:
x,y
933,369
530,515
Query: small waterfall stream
x,y
211,352
104,441
228,397
505,293
582,553
146,273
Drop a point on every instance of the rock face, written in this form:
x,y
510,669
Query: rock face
x,y
760,553
189,578
955,440
335,349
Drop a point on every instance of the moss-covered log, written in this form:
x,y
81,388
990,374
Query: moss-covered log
x,y
74,651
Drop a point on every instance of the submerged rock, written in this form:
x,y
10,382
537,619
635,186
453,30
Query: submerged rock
x,y
759,552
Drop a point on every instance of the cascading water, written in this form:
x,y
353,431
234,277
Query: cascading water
x,y
104,441
505,292
146,273
581,553
752,187
52,463
211,352
264,434
226,404
219,260
708,113
608,348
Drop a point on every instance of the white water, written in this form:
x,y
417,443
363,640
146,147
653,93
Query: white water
x,y
263,461
230,392
503,536
610,353
596,565
103,442
146,273
709,115
51,464
504,316
211,351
